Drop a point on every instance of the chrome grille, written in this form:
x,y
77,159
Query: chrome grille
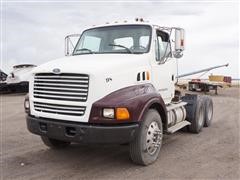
x,y
60,109
64,87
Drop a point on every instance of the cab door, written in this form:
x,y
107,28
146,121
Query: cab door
x,y
164,67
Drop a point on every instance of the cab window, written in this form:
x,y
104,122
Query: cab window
x,y
162,46
144,41
133,39
126,41
91,42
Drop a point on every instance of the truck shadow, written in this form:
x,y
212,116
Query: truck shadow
x,y
86,160
80,156
93,153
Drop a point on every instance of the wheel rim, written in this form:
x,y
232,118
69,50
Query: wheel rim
x,y
201,117
210,113
154,138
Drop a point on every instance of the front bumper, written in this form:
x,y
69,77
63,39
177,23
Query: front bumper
x,y
80,132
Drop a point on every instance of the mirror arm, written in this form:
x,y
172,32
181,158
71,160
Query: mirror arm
x,y
69,42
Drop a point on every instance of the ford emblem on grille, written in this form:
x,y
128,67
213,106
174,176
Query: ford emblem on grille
x,y
56,71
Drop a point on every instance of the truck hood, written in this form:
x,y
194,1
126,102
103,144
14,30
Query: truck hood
x,y
107,73
95,63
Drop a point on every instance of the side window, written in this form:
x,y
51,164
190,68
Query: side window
x,y
126,41
92,43
162,47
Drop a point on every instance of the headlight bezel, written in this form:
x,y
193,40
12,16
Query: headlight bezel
x,y
108,113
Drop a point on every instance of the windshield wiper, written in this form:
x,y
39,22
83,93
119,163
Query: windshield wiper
x,y
119,45
85,49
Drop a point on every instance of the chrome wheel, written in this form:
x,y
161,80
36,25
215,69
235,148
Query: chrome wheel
x,y
145,148
154,138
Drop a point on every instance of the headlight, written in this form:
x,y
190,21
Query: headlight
x,y
27,104
119,114
108,113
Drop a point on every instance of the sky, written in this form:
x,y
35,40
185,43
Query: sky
x,y
33,32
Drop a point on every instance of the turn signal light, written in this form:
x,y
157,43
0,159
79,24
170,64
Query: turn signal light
x,y
122,114
27,104
148,75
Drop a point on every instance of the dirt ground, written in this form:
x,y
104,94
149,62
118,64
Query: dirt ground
x,y
212,154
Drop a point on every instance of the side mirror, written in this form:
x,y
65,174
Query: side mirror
x,y
179,42
70,43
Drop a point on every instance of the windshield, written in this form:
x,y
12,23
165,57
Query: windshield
x,y
114,39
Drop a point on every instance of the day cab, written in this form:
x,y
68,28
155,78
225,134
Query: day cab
x,y
117,86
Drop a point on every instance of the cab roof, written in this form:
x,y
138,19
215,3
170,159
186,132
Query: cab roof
x,y
120,23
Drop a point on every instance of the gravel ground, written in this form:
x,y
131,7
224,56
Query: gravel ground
x,y
212,154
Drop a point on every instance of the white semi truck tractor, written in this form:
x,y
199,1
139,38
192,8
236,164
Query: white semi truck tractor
x,y
117,86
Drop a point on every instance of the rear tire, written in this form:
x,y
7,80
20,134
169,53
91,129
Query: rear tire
x,y
54,143
208,104
197,121
144,150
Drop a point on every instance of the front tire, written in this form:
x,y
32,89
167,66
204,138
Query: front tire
x,y
54,143
144,150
